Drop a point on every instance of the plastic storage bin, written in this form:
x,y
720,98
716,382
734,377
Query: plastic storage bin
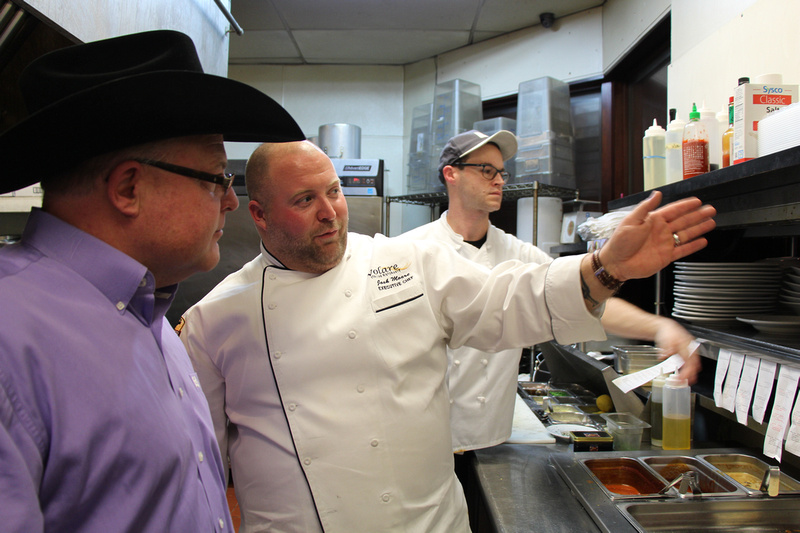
x,y
543,109
626,429
456,107
419,150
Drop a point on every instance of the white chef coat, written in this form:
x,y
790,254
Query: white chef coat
x,y
483,386
328,391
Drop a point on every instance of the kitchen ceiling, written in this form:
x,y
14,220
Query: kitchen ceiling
x,y
377,32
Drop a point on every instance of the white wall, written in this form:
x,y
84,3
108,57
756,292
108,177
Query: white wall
x,y
90,20
716,43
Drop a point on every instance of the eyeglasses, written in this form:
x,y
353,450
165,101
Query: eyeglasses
x,y
487,171
225,179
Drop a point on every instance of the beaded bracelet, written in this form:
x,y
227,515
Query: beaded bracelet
x,y
607,280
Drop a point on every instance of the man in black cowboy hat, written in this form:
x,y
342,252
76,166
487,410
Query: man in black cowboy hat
x,y
103,426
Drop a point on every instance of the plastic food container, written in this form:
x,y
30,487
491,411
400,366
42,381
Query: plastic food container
x,y
626,430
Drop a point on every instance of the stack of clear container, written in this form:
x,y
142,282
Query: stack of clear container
x,y
491,126
456,107
544,129
419,150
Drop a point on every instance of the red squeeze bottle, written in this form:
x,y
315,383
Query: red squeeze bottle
x,y
695,146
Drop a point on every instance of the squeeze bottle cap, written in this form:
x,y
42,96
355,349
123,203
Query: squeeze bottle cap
x,y
705,112
675,381
676,124
695,114
654,130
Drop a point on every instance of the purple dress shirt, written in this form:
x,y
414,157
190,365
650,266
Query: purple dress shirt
x,y
103,425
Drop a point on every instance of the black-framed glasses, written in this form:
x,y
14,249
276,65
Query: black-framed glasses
x,y
225,179
487,171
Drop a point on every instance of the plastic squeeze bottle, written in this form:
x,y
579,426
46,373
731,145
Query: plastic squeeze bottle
x,y
709,119
677,414
727,137
654,157
657,409
674,149
695,146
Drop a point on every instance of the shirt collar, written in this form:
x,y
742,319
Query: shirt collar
x,y
115,274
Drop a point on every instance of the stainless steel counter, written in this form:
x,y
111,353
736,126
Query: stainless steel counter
x,y
523,492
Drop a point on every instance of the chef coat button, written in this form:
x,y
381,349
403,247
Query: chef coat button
x,y
456,362
484,362
120,306
351,334
482,399
360,388
273,277
277,355
452,401
374,443
222,523
348,293
200,456
292,406
272,306
306,461
386,497
180,392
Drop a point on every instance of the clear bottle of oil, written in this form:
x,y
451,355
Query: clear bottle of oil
x,y
677,414
727,137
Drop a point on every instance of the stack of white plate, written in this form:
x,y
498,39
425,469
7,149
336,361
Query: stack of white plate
x,y
779,130
716,293
790,291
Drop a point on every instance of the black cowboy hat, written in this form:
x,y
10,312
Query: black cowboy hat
x,y
90,99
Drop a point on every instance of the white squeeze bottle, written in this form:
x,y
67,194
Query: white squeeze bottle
x,y
709,119
673,147
676,429
654,157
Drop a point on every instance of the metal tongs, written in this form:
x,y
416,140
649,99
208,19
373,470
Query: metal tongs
x,y
771,482
685,481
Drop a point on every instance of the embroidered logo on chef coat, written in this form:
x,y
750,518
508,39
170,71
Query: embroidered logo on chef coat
x,y
391,276
395,286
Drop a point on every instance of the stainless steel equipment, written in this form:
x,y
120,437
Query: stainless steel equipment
x,y
362,184
340,141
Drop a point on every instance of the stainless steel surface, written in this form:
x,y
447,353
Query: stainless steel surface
x,y
682,510
340,141
366,214
753,516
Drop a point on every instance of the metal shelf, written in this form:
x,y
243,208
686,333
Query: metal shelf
x,y
435,200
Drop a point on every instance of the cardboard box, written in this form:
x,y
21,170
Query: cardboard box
x,y
751,103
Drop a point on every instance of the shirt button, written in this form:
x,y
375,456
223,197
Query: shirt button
x,y
272,306
452,401
306,461
456,362
360,388
352,334
143,282
386,497
482,399
374,443
484,362
273,277
200,456
292,406
277,355
222,523
348,293
120,306
180,392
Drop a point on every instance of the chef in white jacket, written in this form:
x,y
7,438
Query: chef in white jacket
x,y
323,359
483,385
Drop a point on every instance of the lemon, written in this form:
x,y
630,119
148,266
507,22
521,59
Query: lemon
x,y
604,403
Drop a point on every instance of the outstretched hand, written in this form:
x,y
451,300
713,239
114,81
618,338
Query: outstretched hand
x,y
648,239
